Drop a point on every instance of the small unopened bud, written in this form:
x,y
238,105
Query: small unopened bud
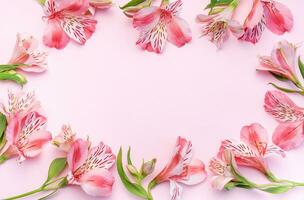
x,y
147,168
132,170
131,8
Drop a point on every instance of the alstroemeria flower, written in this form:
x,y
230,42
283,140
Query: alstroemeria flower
x,y
65,139
89,167
99,5
27,56
181,169
254,24
218,26
26,136
20,103
66,20
281,61
158,24
289,133
253,149
278,17
221,167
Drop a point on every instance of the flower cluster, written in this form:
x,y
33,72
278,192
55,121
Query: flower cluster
x,y
26,57
180,169
281,64
264,13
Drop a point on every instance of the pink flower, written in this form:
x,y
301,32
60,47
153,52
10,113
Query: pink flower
x,y
89,167
278,17
218,26
65,139
221,168
99,5
289,133
26,136
281,61
66,20
254,24
158,24
181,169
27,55
19,104
253,149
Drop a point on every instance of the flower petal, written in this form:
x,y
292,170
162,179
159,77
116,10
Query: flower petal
x,y
74,6
179,32
175,7
97,183
255,135
54,35
195,173
13,129
35,143
175,190
284,54
288,135
282,108
77,154
78,28
279,18
146,18
219,182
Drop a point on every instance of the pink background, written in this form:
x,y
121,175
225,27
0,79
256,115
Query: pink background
x,y
114,92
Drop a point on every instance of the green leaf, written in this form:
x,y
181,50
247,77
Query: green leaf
x,y
301,66
276,188
132,3
41,2
215,3
279,77
286,89
129,157
13,76
3,125
56,167
4,68
134,188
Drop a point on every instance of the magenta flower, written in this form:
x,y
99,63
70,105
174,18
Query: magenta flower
x,y
181,169
66,20
289,133
89,167
158,24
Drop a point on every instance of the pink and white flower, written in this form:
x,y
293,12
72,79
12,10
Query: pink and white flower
x,y
218,26
26,55
89,167
221,168
20,104
289,133
281,61
279,18
181,169
65,139
158,24
253,148
66,20
26,135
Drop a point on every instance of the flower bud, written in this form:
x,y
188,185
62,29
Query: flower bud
x,y
132,170
132,8
147,168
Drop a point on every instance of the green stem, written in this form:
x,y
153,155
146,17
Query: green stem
x,y
13,76
8,67
25,194
3,158
273,178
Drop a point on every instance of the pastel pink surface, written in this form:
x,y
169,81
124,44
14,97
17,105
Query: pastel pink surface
x,y
114,92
